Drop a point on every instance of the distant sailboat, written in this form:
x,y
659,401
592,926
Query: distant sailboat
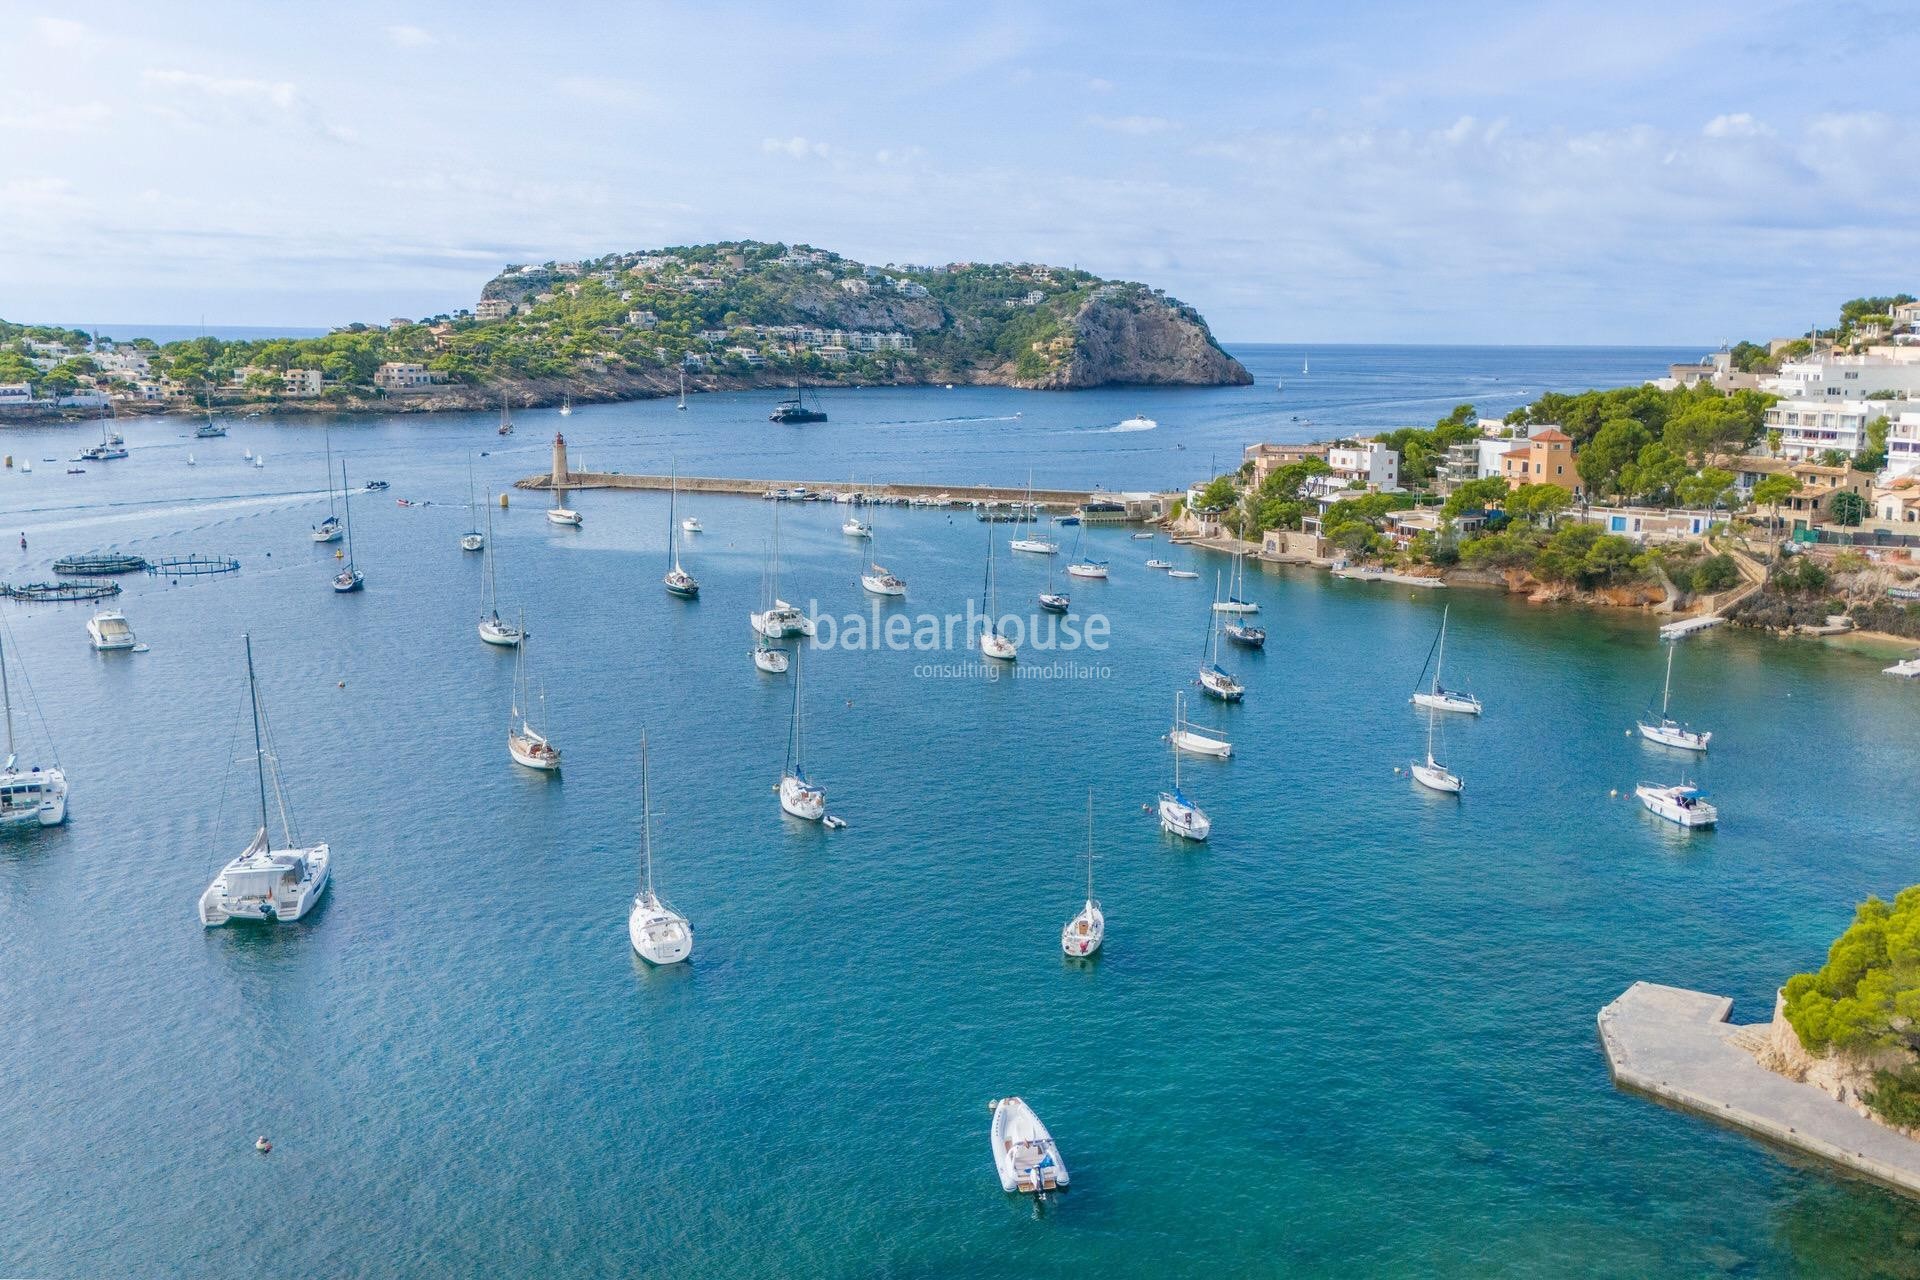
x,y
1303,366
678,581
1180,816
877,579
1438,697
528,745
1667,731
493,628
349,578
566,405
330,529
1214,679
658,933
992,643
506,423
683,389
473,540
1084,567
33,796
777,619
1084,933
1433,774
1236,583
1185,737
1033,543
798,796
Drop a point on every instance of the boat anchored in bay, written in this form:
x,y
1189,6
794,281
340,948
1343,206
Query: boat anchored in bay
x,y
658,933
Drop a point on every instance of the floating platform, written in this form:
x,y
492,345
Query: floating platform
x,y
99,564
1678,1047
192,566
60,590
1690,626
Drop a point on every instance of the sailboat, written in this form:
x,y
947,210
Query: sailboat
x,y
1236,583
1180,816
1303,366
473,539
506,423
349,578
659,933
566,405
33,796
1084,933
877,579
1433,774
1033,542
1437,696
769,659
1054,601
330,529
1214,679
1185,737
1667,731
778,619
527,745
211,430
493,628
679,581
795,411
1081,567
855,527
265,883
798,796
992,643
683,388
557,514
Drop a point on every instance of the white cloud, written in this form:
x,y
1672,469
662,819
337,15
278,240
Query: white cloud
x,y
606,92
408,36
61,33
1737,125
797,147
278,92
1136,126
1100,84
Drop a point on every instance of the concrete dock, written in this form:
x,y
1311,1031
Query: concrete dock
x,y
1133,506
1678,1046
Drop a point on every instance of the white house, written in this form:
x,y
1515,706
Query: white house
x,y
1810,427
1370,462
300,382
400,378
15,393
1903,443
1844,378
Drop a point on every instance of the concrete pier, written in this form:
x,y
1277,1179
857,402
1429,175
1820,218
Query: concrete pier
x,y
1136,506
1677,1046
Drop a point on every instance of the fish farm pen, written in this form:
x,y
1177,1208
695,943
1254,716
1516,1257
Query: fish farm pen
x,y
60,590
192,566
99,564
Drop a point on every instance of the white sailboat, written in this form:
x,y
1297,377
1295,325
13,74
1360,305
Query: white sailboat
x,y
659,933
769,659
349,578
776,619
1438,697
1024,1153
566,405
683,388
1083,934
557,514
493,628
1185,737
798,796
877,579
1081,566
855,527
1033,543
1667,731
678,581
1682,804
1215,680
1432,774
473,539
265,883
33,796
1236,583
992,644
527,745
691,525
1180,816
330,529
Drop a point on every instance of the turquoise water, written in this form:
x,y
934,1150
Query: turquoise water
x,y
1354,1033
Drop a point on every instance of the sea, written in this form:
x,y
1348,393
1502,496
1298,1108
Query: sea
x,y
1352,1034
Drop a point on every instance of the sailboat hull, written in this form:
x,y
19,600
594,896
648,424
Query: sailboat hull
x,y
267,887
1668,734
659,936
1435,778
533,753
1184,820
473,542
1465,704
802,799
1084,933
998,647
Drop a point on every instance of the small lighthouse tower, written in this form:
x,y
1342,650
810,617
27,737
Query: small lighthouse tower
x,y
559,478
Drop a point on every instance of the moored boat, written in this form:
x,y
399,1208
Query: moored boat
x,y
1082,935
1024,1153
1664,729
658,933
1683,804
109,631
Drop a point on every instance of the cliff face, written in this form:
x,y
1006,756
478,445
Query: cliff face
x,y
1142,341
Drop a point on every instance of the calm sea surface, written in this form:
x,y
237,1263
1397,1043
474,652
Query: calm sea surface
x,y
1352,1034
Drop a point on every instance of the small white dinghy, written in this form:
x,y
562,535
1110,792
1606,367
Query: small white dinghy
x,y
1023,1151
1194,741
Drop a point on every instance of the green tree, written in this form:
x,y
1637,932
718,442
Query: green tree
x,y
1475,495
1774,439
1710,488
1617,443
1653,474
1846,508
1866,997
1874,455
1770,492
1538,503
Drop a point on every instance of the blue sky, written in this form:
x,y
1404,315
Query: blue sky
x,y
1578,172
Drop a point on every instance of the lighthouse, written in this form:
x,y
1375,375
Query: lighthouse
x,y
559,478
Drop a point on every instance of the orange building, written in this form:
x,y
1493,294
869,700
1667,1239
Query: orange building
x,y
1545,457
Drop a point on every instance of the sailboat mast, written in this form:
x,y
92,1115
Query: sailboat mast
x,y
259,748
6,696
326,436
1089,844
1666,690
1441,654
673,529
346,505
646,821
794,763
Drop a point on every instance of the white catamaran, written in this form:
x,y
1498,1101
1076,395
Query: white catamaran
x,y
1667,731
1438,697
33,796
265,883
659,933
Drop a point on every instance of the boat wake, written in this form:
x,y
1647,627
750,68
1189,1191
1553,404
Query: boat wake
x,y
1129,427
949,422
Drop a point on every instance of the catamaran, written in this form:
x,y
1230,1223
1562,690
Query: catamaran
x,y
1214,679
1667,731
798,796
349,578
659,933
1438,697
493,628
1682,804
473,539
992,644
527,745
1236,583
1083,934
679,582
265,883
1433,774
1185,737
777,619
32,796
330,529
1024,1153
1180,816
